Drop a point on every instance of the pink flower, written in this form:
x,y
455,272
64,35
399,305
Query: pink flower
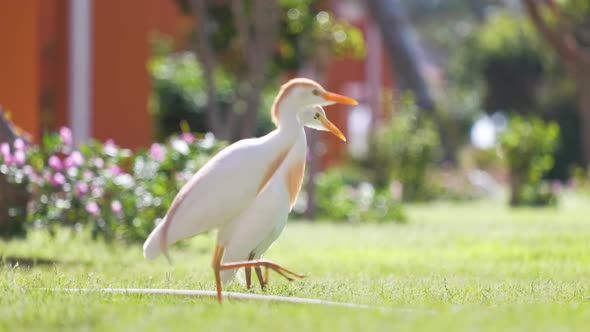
x,y
33,176
572,183
92,208
188,137
97,191
110,147
65,134
20,157
5,148
55,163
397,190
98,163
115,170
5,151
58,179
81,189
157,152
28,170
19,144
87,175
74,160
556,187
116,207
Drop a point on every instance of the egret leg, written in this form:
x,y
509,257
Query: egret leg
x,y
248,271
217,257
263,281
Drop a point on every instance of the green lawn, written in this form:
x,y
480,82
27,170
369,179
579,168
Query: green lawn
x,y
454,267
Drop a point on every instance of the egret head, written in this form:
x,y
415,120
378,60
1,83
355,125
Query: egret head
x,y
302,93
315,117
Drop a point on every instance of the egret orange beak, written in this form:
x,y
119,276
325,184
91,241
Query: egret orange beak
x,y
332,128
340,99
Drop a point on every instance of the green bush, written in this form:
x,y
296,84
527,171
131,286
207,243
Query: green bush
x,y
403,150
528,145
506,60
580,180
345,195
179,94
178,90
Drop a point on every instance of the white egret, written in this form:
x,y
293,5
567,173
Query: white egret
x,y
229,183
248,236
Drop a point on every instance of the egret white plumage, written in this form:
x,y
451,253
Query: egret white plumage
x,y
229,183
248,236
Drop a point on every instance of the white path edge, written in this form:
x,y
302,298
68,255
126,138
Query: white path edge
x,y
229,295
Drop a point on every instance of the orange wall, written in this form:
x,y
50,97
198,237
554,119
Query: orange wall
x,y
121,49
340,72
54,63
120,84
19,62
34,64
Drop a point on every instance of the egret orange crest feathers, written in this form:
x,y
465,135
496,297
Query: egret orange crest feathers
x,y
284,89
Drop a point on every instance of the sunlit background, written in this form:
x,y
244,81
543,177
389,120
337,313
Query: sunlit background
x,y
458,99
462,189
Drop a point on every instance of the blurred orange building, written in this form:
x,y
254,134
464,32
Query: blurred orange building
x,y
82,63
364,79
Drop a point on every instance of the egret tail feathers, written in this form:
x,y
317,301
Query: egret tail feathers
x,y
152,247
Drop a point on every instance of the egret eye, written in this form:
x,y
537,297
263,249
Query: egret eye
x,y
317,116
315,92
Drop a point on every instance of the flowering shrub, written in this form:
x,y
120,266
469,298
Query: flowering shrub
x,y
345,195
118,193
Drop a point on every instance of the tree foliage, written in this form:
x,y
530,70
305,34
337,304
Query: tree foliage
x,y
506,60
248,44
565,27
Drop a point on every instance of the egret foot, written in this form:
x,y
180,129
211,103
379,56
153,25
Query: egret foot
x,y
248,272
263,281
218,267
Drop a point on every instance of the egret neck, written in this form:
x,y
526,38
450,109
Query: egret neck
x,y
283,138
